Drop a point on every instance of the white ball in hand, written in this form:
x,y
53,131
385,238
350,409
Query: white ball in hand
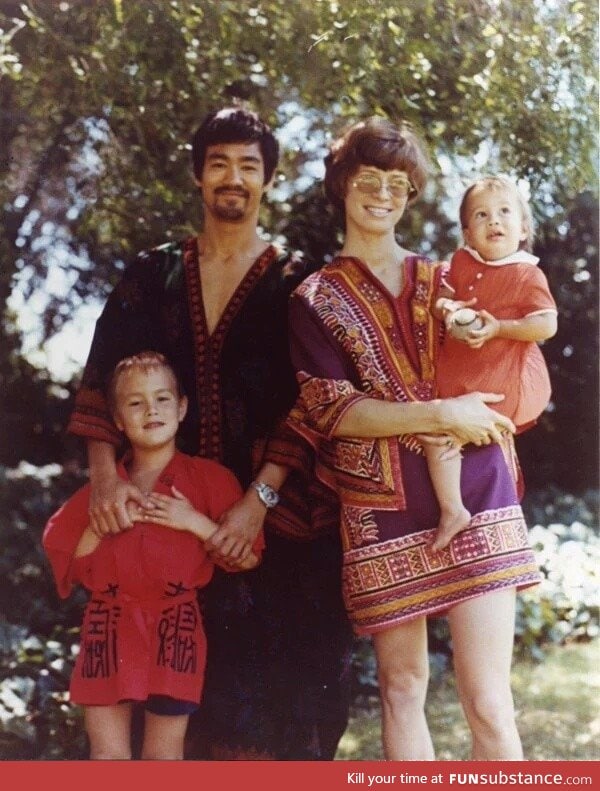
x,y
463,321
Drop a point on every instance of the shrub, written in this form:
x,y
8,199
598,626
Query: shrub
x,y
566,606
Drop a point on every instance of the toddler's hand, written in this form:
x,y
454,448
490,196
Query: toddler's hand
x,y
491,327
448,307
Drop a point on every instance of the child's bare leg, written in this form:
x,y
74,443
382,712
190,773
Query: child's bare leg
x,y
164,736
445,477
109,731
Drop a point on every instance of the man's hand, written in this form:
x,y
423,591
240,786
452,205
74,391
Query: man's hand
x,y
470,419
238,528
113,504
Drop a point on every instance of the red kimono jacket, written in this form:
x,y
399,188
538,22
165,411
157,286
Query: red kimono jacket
x,y
142,630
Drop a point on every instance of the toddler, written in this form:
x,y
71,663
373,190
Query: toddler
x,y
496,273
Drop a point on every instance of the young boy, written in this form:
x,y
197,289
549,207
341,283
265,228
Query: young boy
x,y
516,310
142,638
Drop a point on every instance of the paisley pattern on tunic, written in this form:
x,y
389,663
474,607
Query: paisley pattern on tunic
x,y
492,552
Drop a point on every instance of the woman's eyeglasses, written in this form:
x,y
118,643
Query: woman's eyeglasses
x,y
372,184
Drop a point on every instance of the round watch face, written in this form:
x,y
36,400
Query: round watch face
x,y
266,494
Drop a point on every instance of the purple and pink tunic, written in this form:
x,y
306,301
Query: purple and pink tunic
x,y
352,339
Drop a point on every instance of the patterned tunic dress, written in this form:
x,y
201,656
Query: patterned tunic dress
x,y
352,339
279,644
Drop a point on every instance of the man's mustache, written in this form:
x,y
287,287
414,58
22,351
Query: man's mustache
x,y
235,190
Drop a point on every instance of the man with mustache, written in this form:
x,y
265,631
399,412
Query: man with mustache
x,y
215,305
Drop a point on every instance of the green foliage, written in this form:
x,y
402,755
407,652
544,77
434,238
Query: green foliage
x,y
563,448
100,100
37,721
36,642
33,410
29,495
566,607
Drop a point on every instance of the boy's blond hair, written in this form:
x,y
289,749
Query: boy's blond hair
x,y
144,361
506,183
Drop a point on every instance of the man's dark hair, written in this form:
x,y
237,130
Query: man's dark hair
x,y
234,125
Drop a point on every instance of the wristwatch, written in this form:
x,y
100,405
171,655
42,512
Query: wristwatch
x,y
266,494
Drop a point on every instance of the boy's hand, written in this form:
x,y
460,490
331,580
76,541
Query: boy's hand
x,y
491,327
176,511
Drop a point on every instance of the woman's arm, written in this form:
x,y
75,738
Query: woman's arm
x,y
351,413
467,418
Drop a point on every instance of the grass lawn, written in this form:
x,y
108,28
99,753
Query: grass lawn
x,y
557,702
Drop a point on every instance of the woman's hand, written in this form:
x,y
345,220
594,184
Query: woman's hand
x,y
470,419
238,528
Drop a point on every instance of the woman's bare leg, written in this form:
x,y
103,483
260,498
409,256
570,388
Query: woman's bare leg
x,y
482,638
403,670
